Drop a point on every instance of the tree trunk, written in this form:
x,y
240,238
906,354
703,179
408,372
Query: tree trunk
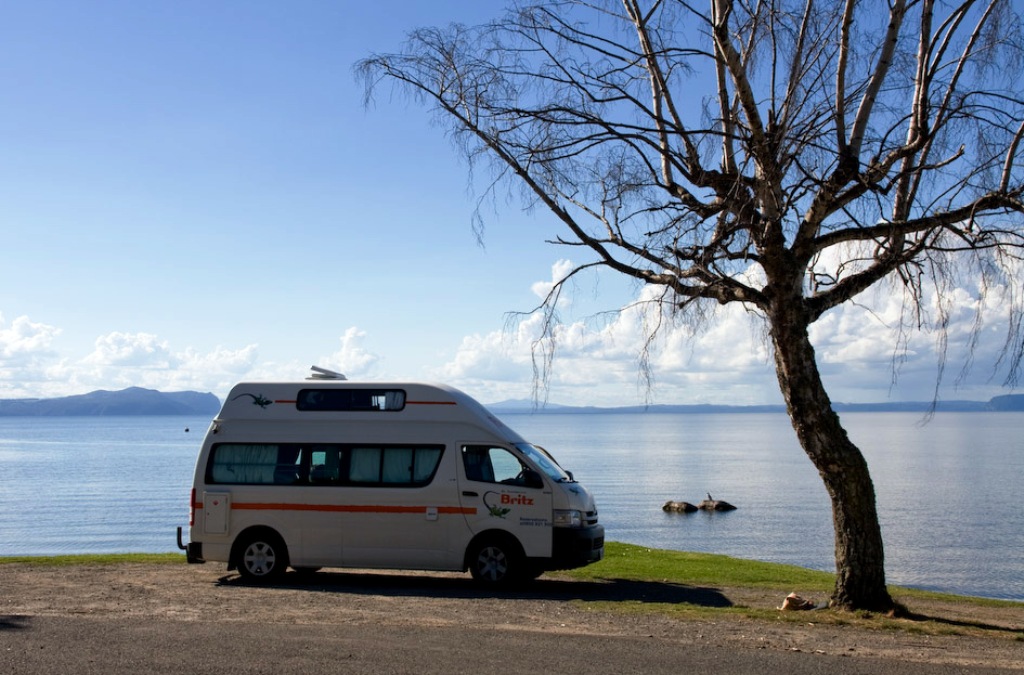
x,y
860,557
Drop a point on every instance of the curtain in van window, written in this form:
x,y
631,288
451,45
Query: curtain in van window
x,y
364,466
425,463
252,464
398,465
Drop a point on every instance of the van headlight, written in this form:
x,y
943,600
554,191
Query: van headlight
x,y
568,518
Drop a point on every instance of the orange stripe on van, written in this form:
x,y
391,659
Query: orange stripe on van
x,y
349,508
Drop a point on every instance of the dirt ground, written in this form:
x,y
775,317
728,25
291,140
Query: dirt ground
x,y
941,632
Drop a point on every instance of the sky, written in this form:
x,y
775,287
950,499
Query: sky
x,y
194,194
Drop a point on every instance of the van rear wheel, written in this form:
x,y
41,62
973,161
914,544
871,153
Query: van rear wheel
x,y
262,557
496,561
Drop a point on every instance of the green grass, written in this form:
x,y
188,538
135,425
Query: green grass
x,y
626,562
638,563
96,559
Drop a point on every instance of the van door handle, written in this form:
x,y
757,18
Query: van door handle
x,y
468,493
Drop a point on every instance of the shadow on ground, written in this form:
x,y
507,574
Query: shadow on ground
x,y
611,590
1012,630
11,622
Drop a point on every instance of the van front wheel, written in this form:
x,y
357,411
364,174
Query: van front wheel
x,y
496,562
262,557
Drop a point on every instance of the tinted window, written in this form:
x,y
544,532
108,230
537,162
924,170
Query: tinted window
x,y
351,399
493,465
393,466
255,464
322,464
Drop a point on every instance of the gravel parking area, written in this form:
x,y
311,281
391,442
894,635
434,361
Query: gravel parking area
x,y
163,617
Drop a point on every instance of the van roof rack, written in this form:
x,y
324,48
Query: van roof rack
x,y
324,374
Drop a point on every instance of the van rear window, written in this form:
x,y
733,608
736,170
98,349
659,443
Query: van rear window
x,y
323,464
351,399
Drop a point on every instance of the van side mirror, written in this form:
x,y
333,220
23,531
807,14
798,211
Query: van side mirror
x,y
532,479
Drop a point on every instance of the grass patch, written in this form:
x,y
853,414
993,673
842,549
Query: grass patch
x,y
702,575
639,563
96,559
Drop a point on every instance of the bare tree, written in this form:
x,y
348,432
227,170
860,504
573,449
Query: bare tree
x,y
786,155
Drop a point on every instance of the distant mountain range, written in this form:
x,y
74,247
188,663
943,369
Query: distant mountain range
x,y
1008,403
139,401
131,401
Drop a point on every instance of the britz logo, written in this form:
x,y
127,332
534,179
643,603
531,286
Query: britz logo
x,y
520,500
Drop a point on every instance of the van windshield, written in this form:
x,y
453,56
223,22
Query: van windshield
x,y
545,462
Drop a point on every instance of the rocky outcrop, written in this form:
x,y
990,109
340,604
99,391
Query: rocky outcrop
x,y
715,505
709,504
678,507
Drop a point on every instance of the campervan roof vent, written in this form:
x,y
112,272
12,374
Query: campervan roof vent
x,y
324,374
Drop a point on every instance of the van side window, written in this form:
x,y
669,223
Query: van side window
x,y
488,464
325,465
365,466
424,464
322,464
255,464
361,400
393,466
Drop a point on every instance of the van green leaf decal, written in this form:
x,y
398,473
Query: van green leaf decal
x,y
495,511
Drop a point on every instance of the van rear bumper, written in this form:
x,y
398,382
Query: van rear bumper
x,y
193,550
576,548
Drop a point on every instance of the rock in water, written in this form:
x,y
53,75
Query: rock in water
x,y
715,505
678,507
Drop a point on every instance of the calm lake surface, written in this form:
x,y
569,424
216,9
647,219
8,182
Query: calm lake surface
x,y
949,491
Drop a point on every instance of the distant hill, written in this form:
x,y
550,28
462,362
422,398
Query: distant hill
x,y
1009,403
1012,402
139,401
131,401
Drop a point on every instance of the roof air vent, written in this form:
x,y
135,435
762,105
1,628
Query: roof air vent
x,y
324,374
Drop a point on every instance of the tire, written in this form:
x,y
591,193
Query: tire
x,y
262,557
496,561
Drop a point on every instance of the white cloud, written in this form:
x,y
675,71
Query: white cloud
x,y
24,339
596,361
122,360
26,350
728,360
864,352
353,359
216,371
131,349
30,367
559,271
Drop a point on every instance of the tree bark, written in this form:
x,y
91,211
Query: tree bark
x,y
860,556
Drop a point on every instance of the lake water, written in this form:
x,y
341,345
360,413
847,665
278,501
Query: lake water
x,y
949,491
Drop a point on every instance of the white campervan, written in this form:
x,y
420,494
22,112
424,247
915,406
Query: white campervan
x,y
328,472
